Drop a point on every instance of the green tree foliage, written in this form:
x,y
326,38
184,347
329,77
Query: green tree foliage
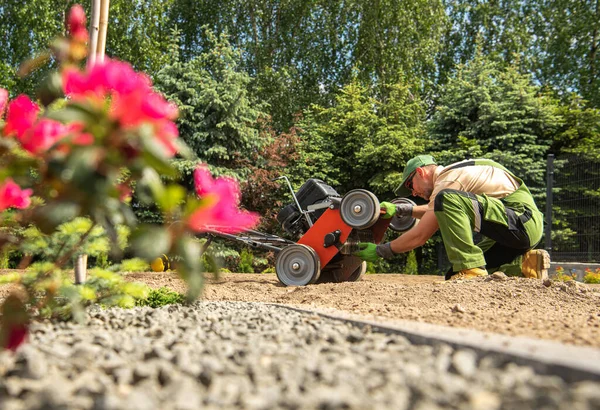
x,y
303,52
580,129
263,192
411,267
218,117
556,40
500,30
79,233
363,142
487,111
568,46
139,32
576,194
27,29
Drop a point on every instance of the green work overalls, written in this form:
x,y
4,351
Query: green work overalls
x,y
514,223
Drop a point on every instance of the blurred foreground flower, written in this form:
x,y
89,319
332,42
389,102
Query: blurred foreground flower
x,y
76,23
14,326
221,211
91,136
133,102
3,100
11,195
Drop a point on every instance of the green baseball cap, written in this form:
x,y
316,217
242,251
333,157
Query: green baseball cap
x,y
411,166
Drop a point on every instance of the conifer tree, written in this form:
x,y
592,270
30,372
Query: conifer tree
x,y
218,118
497,113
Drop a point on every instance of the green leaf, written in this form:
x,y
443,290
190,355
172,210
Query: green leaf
x,y
48,217
148,241
189,268
74,113
171,197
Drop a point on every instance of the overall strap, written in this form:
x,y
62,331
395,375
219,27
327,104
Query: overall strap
x,y
522,194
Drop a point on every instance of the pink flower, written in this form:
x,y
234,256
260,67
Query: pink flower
x,y
103,79
3,100
11,195
154,106
167,133
44,134
221,211
124,192
17,334
76,23
77,137
21,115
133,102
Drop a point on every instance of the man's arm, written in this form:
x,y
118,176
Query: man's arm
x,y
418,235
419,211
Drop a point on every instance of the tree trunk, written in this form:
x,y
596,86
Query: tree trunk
x,y
103,29
94,22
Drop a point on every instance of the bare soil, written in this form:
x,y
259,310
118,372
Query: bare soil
x,y
565,312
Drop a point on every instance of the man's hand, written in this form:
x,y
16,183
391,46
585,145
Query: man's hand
x,y
401,210
370,252
389,208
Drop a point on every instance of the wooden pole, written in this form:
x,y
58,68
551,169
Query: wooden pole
x,y
102,29
94,23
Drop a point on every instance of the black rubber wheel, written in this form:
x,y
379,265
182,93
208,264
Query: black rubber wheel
x,y
297,265
403,224
359,209
358,273
343,268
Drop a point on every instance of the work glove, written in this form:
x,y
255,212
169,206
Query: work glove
x,y
400,210
370,252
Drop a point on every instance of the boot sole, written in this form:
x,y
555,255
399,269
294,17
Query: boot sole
x,y
543,264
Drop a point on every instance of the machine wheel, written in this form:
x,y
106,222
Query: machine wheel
x,y
358,273
359,209
343,268
403,224
297,265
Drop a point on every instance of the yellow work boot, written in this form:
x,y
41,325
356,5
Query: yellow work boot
x,y
471,273
535,264
160,264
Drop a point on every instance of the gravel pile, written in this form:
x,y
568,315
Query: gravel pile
x,y
246,355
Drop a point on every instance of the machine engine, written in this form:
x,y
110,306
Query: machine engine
x,y
312,192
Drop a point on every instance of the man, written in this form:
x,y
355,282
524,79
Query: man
x,y
470,196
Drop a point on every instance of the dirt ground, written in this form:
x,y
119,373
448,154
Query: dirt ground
x,y
566,312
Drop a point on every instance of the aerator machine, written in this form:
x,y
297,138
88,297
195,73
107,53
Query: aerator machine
x,y
328,228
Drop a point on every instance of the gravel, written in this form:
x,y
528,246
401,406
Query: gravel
x,y
218,355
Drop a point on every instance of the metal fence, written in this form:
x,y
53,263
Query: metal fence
x,y
573,209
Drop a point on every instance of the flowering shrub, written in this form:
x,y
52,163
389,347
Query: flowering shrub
x,y
592,276
562,276
92,136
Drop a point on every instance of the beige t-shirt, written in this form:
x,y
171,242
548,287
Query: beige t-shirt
x,y
476,179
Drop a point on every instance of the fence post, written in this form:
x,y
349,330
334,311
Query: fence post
x,y
549,200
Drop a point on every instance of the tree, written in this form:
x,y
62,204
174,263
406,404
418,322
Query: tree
x,y
363,142
500,30
218,117
140,33
497,113
567,46
579,132
262,192
304,52
28,29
